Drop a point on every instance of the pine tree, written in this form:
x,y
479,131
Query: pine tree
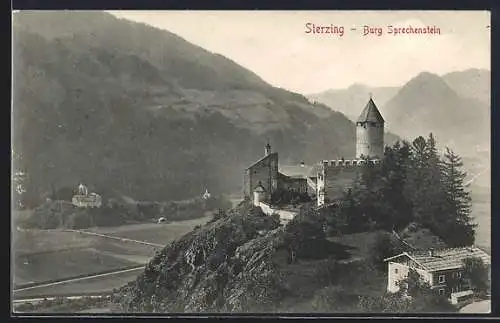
x,y
423,187
460,229
396,211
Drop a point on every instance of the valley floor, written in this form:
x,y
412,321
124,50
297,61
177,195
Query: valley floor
x,y
44,256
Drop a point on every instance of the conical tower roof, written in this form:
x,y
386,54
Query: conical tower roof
x,y
370,113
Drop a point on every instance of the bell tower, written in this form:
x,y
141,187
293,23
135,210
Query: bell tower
x,y
267,149
370,132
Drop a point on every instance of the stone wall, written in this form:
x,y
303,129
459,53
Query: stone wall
x,y
336,176
285,215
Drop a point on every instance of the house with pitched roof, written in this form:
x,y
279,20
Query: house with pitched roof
x,y
442,269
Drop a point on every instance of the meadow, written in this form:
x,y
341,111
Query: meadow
x,y
46,255
37,268
91,286
152,232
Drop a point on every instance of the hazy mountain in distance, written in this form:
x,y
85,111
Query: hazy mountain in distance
x,y
472,83
428,104
124,106
349,100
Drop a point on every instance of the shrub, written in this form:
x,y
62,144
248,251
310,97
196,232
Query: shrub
x,y
476,273
383,247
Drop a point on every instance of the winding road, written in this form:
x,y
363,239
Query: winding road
x,y
116,238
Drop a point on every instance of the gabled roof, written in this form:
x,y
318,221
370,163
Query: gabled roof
x,y
370,113
443,259
405,254
261,159
297,171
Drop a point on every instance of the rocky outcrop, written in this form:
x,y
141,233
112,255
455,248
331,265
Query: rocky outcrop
x,y
227,265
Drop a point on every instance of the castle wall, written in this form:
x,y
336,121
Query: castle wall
x,y
285,215
335,177
369,140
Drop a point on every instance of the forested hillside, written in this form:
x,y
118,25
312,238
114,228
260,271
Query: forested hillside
x,y
123,106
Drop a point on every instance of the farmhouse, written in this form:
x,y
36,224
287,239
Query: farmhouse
x,y
442,269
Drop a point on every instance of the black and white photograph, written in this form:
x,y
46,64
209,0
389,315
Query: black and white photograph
x,y
266,162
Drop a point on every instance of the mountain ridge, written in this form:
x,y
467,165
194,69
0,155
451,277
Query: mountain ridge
x,y
456,89
121,105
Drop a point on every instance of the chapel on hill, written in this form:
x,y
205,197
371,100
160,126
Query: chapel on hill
x,y
327,179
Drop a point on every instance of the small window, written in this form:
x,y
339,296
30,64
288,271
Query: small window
x,y
395,270
441,279
441,291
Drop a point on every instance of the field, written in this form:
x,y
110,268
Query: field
x,y
27,242
89,286
45,255
153,232
38,268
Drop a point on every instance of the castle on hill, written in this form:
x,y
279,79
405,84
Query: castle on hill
x,y
326,180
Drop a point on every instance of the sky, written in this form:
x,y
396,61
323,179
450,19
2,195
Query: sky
x,y
276,46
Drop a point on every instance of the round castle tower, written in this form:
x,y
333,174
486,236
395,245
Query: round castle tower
x,y
370,132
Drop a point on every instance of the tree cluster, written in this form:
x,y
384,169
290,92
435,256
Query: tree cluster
x,y
412,184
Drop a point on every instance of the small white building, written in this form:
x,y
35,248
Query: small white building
x,y
259,195
206,195
442,269
84,199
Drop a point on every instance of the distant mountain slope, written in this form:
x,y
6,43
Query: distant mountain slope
x,y
121,105
455,106
349,100
472,83
427,104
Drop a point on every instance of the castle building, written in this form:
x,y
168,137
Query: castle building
x,y
335,176
263,173
370,132
265,177
86,199
327,180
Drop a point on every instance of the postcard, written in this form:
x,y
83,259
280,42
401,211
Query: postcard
x,y
227,162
